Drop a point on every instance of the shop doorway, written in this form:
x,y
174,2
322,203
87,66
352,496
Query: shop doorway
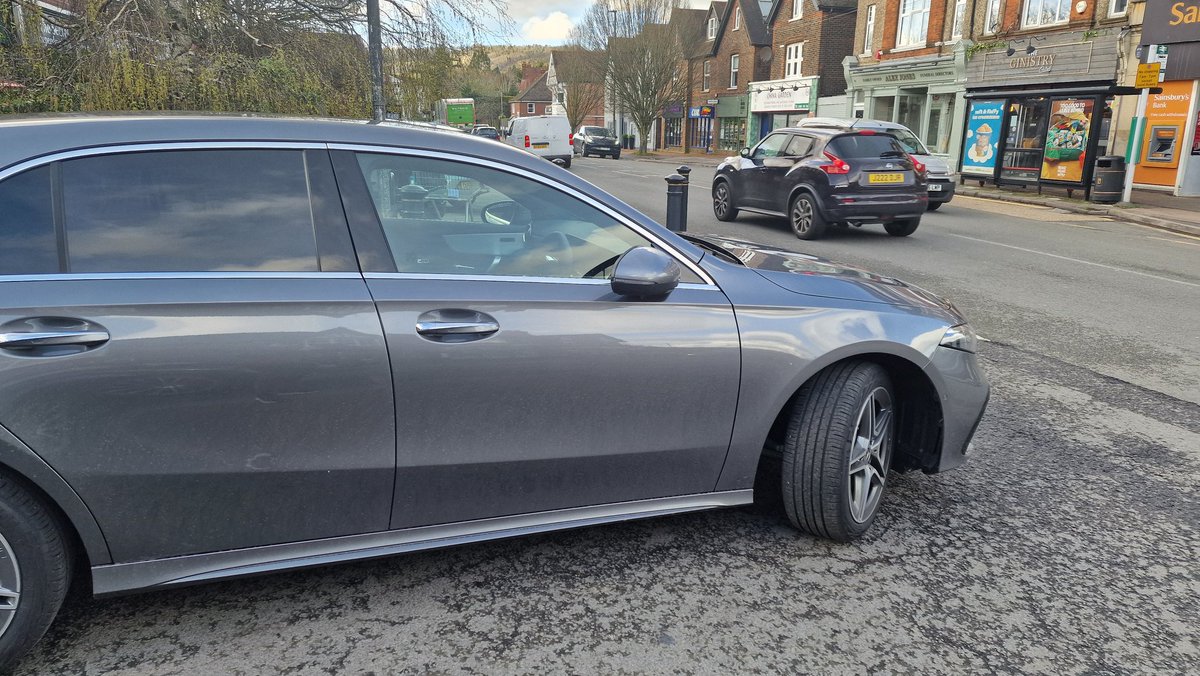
x,y
1026,133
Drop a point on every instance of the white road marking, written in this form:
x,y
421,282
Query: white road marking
x,y
1076,260
1176,241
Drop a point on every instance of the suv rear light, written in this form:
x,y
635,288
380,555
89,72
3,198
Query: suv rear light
x,y
527,140
918,165
837,167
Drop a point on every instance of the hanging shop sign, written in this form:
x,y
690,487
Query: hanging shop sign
x,y
702,112
982,143
861,78
1171,21
1067,140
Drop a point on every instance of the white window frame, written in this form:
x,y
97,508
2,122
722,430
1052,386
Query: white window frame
x,y
797,9
1114,12
992,16
737,18
960,19
869,33
712,27
793,64
530,108
1042,5
706,77
913,16
735,63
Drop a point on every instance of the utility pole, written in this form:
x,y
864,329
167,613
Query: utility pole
x,y
375,54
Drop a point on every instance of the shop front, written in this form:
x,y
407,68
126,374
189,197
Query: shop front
x,y
700,127
1167,155
924,94
731,122
672,125
775,104
1040,115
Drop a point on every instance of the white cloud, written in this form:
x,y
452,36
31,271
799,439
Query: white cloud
x,y
553,28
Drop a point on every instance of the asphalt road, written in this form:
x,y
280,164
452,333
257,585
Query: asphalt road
x,y
1069,543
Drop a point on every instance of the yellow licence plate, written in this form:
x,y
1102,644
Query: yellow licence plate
x,y
885,178
541,145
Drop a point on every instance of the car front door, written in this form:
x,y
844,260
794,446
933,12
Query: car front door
x,y
522,382
755,171
777,175
186,338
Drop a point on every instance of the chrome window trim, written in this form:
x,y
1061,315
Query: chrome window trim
x,y
566,189
130,276
192,568
454,277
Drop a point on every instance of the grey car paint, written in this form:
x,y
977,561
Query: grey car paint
x,y
785,336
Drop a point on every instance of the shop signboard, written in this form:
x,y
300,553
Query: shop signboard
x,y
1166,130
982,144
701,112
1066,146
782,95
1171,21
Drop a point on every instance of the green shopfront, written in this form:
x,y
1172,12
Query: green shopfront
x,y
924,94
731,122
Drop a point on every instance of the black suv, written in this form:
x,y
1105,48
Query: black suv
x,y
815,177
597,141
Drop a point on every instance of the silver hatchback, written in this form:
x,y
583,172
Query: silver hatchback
x,y
236,346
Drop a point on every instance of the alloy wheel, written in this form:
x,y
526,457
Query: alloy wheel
x,y
870,455
721,201
10,585
802,216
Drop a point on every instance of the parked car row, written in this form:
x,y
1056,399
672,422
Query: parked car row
x,y
232,346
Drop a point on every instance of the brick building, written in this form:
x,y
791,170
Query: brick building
x,y
533,100
690,25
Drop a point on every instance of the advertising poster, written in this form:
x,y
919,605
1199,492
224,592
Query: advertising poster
x,y
1067,140
984,121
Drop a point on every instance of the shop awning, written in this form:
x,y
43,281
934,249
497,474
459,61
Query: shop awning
x,y
1025,92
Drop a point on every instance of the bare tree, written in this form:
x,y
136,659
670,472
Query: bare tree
x,y
643,52
579,80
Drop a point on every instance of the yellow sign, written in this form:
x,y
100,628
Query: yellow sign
x,y
1147,75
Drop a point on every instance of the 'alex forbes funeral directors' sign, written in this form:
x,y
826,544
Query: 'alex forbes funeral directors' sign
x,y
1171,21
984,124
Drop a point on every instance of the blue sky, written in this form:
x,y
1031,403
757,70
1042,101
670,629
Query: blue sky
x,y
549,21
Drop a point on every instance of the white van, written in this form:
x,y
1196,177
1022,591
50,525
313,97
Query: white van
x,y
547,136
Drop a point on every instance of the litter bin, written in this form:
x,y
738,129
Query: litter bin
x,y
1109,180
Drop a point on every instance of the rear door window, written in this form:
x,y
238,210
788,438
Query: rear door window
x,y
189,211
799,146
864,145
28,245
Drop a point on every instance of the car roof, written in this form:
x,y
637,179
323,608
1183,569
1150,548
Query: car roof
x,y
848,123
24,138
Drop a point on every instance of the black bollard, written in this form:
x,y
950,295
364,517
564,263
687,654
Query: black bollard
x,y
685,171
676,194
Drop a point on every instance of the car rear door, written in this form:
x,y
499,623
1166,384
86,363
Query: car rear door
x,y
186,338
523,384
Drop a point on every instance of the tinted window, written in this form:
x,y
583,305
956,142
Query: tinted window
x,y
799,146
189,211
771,146
443,217
864,145
597,131
27,242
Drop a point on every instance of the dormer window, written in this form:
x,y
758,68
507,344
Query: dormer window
x,y
737,19
712,27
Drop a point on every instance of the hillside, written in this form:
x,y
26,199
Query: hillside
x,y
507,56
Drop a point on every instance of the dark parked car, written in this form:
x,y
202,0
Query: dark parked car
x,y
817,177
486,132
597,141
236,346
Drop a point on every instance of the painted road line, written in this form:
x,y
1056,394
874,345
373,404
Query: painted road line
x,y
1077,260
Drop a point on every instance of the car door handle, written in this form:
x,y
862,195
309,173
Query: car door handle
x,y
26,339
456,328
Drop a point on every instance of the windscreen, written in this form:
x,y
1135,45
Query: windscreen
x,y
910,141
597,131
865,145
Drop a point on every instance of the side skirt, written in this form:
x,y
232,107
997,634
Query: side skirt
x,y
196,568
765,212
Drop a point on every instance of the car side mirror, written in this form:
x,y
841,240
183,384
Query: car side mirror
x,y
643,272
745,152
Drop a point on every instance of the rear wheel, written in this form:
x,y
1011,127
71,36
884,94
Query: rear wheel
x,y
723,207
838,450
567,163
35,570
902,227
934,206
805,217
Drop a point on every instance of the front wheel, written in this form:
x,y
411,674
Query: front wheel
x,y
805,217
616,155
35,570
902,227
723,207
838,450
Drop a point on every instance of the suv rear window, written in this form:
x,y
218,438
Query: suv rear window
x,y
863,145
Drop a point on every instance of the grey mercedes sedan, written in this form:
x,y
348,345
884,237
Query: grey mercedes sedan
x,y
230,346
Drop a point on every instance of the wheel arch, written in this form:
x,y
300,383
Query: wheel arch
x,y
918,416
18,461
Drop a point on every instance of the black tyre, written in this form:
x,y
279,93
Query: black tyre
x,y
723,204
567,163
805,217
902,227
934,206
616,156
35,570
838,450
